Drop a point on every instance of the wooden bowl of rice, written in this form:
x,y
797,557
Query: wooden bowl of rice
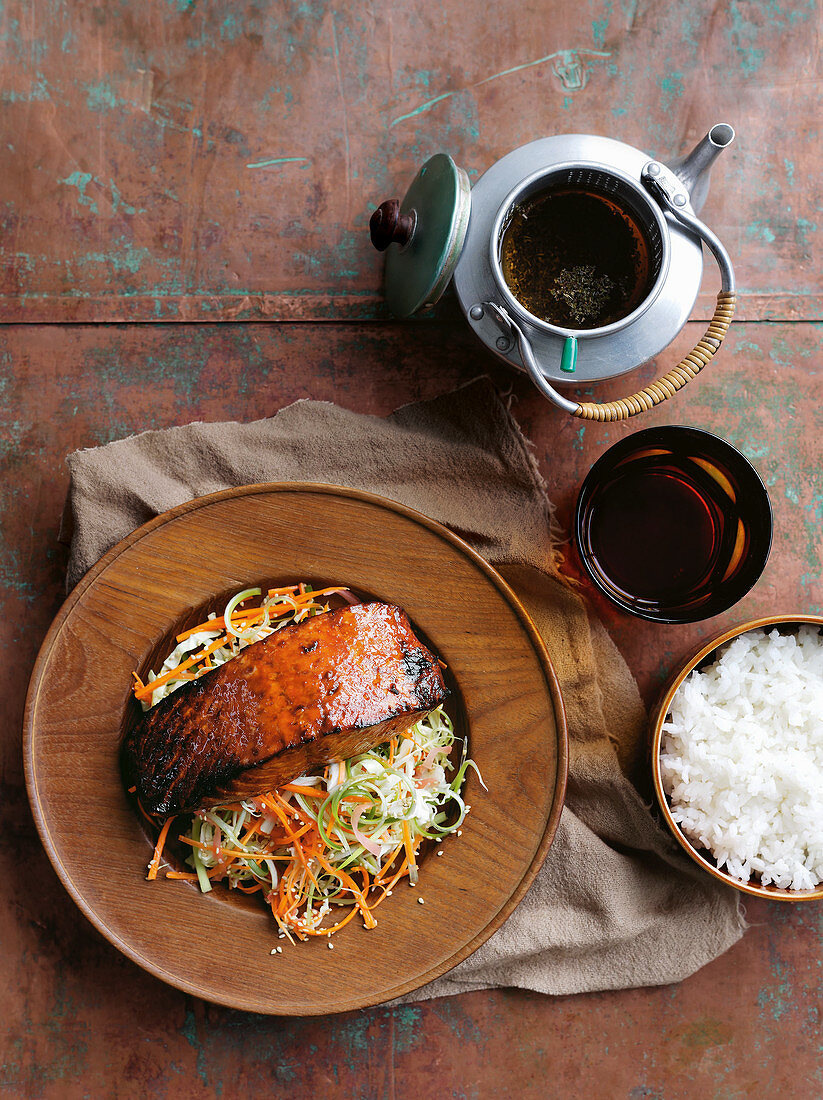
x,y
737,757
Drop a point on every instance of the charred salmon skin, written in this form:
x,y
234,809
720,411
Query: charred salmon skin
x,y
325,689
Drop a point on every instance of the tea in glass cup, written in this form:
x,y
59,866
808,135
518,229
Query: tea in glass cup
x,y
673,524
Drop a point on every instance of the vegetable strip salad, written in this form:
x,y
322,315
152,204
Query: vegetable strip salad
x,y
330,845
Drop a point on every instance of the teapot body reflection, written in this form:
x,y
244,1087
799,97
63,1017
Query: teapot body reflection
x,y
575,258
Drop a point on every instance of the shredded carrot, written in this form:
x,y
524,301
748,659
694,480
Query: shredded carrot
x,y
251,829
387,886
349,882
291,901
158,850
277,811
209,626
241,615
307,792
252,889
327,591
291,808
295,835
175,673
386,866
151,820
223,851
242,618
409,847
304,859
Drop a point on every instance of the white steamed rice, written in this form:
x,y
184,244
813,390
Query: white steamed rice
x,y
742,758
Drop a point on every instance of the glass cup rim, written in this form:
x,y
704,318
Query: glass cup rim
x,y
755,502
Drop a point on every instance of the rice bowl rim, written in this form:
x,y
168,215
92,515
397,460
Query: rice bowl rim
x,y
658,717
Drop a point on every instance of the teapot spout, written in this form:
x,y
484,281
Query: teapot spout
x,y
693,169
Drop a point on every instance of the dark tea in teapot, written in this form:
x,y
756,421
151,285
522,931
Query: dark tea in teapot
x,y
576,257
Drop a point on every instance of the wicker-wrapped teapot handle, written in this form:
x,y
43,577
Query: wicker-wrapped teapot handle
x,y
676,378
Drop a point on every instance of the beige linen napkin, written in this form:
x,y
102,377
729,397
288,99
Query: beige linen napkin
x,y
615,904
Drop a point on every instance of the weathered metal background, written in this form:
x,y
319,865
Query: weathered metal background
x,y
184,159
80,1020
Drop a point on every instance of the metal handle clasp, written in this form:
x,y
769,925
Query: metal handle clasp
x,y
514,331
668,191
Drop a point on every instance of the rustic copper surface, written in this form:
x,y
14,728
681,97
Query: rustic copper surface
x,y
187,160
82,1020
209,161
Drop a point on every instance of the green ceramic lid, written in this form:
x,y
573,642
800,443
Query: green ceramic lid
x,y
418,272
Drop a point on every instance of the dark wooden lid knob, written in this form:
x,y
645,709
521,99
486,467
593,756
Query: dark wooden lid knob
x,y
387,225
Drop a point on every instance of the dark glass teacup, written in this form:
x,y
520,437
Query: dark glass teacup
x,y
673,524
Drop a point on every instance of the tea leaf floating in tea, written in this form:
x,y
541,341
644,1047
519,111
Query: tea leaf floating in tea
x,y
584,292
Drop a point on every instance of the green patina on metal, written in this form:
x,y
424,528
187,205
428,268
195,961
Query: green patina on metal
x,y
189,1030
672,86
708,1031
100,96
81,180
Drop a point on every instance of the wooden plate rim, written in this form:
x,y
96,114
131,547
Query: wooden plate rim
x,y
661,709
438,529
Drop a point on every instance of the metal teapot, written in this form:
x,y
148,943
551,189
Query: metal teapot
x,y
445,229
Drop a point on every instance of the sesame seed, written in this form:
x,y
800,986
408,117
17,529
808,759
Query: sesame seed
x,y
330,946
459,832
420,901
279,950
440,853
273,951
388,893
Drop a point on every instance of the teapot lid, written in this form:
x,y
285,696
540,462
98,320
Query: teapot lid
x,y
423,235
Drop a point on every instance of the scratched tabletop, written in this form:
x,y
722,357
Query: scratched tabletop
x,y
185,197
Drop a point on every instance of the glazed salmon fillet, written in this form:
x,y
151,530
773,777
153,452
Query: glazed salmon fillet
x,y
335,685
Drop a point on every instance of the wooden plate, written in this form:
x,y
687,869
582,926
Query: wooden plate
x,y
217,946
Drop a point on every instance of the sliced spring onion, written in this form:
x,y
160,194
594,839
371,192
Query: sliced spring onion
x,y
246,594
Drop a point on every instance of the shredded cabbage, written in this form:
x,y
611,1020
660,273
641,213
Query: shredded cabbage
x,y
356,819
279,609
